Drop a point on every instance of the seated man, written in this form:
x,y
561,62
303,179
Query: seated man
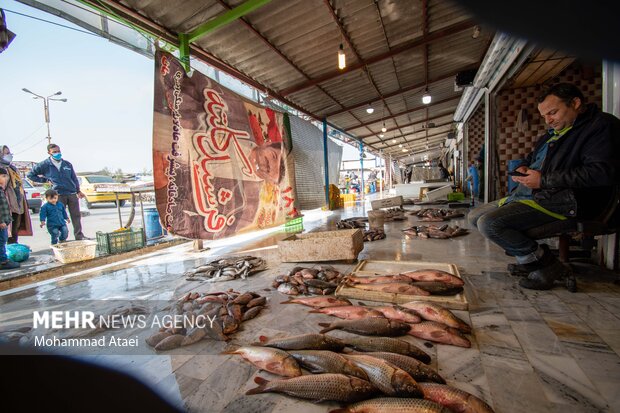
x,y
570,174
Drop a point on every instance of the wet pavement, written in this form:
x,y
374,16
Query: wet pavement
x,y
531,351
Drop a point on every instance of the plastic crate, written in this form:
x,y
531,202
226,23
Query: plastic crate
x,y
456,196
120,241
75,251
294,225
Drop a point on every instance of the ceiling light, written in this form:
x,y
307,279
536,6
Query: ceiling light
x,y
400,145
370,109
393,140
381,135
426,98
383,129
342,59
404,150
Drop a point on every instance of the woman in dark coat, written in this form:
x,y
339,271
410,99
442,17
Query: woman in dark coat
x,y
16,196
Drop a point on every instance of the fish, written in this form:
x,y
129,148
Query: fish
x,y
368,326
318,387
389,379
194,335
398,313
394,405
419,371
170,342
269,359
439,333
434,312
434,275
349,312
328,291
322,361
256,302
294,271
392,345
395,288
318,302
235,311
229,324
156,338
251,313
319,284
310,341
456,400
315,291
438,287
288,288
383,279
243,299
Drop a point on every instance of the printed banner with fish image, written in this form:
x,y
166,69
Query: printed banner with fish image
x,y
222,164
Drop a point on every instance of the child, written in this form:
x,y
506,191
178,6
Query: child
x,y
5,220
53,214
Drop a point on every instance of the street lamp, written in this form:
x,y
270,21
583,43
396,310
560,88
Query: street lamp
x,y
46,108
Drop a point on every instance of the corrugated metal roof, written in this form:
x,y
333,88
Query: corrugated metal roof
x,y
290,47
542,65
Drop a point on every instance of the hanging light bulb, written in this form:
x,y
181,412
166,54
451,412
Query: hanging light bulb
x,y
381,135
426,97
370,109
384,129
400,145
342,58
393,140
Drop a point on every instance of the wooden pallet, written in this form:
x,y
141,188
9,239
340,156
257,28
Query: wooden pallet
x,y
368,268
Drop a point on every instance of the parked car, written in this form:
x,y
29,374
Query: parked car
x,y
34,196
94,188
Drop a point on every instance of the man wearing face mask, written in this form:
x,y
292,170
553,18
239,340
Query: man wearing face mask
x,y
64,181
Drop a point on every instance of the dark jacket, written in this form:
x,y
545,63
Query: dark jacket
x,y
54,215
5,211
64,181
581,168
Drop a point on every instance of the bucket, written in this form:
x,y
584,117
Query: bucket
x,y
376,219
151,225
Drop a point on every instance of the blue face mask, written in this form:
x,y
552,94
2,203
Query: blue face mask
x,y
57,156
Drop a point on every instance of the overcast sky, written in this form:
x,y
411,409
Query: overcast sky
x,y
107,121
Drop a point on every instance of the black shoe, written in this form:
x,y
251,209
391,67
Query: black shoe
x,y
544,278
9,265
523,270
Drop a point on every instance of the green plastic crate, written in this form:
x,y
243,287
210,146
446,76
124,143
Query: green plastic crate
x,y
120,241
456,196
294,225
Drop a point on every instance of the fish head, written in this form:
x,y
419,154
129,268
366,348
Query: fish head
x,y
361,386
405,385
351,369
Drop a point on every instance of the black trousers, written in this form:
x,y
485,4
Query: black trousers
x,y
17,220
73,203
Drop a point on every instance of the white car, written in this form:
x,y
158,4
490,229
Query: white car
x,y
34,196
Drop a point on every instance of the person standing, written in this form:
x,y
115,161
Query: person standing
x,y
64,181
16,197
5,221
473,179
54,215
443,171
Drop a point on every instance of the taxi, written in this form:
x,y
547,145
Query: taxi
x,y
94,188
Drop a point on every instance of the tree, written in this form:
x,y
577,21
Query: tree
x,y
118,175
105,171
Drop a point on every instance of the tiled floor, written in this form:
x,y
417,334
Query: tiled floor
x,y
551,351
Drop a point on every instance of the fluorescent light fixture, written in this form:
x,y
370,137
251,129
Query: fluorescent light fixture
x,y
370,109
426,98
342,58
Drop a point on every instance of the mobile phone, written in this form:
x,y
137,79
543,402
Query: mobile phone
x,y
516,173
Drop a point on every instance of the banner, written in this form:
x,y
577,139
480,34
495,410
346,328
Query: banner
x,y
221,163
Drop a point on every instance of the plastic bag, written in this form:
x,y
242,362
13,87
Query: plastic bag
x,y
17,252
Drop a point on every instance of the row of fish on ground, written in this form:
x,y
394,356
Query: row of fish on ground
x,y
433,231
422,282
374,372
436,214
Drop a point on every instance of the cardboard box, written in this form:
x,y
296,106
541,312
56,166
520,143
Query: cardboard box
x,y
387,202
322,246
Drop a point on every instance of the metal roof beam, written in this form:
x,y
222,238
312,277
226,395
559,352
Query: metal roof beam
x,y
431,37
414,140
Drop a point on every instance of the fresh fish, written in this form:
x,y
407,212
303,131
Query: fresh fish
x,y
229,324
395,288
311,341
434,312
454,399
309,272
156,338
349,312
194,335
269,359
394,405
315,291
328,291
319,284
389,379
251,313
439,333
368,326
243,299
256,302
170,342
294,271
438,287
282,278
318,302
318,387
321,361
288,288
235,311
419,371
383,279
392,345
398,313
434,275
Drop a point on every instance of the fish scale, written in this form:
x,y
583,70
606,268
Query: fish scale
x,y
394,405
392,345
388,378
321,361
415,368
310,341
455,399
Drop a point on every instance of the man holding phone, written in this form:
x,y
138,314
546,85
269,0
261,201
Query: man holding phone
x,y
571,173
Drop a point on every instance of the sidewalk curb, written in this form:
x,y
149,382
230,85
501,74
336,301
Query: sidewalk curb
x,y
66,269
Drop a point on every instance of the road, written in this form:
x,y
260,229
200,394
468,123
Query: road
x,y
103,217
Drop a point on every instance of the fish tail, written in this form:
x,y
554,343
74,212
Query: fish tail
x,y
345,410
316,311
328,327
262,386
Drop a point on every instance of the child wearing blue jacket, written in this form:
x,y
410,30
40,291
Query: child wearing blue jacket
x,y
54,215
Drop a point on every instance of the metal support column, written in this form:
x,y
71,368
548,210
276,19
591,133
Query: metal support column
x,y
326,162
487,145
362,174
184,51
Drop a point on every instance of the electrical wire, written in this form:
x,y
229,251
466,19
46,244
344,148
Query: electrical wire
x,y
31,146
24,140
50,22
